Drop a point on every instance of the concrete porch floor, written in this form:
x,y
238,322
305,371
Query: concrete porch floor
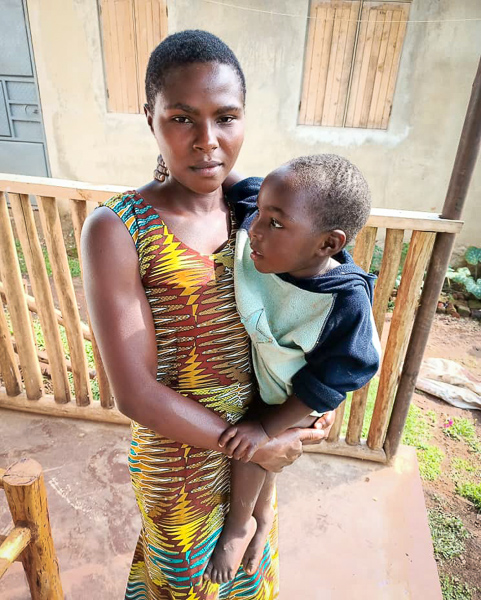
x,y
348,529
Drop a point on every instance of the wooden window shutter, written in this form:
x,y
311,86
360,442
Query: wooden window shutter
x,y
131,29
351,62
378,52
327,63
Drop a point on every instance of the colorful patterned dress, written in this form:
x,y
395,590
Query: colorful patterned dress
x,y
203,353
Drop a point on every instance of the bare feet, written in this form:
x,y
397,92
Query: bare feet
x,y
230,548
255,550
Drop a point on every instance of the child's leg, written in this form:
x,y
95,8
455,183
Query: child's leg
x,y
239,528
264,516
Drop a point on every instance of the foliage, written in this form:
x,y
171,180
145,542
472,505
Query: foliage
x,y
430,460
463,429
453,589
448,534
470,491
464,277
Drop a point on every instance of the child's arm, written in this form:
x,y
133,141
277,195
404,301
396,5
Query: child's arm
x,y
345,358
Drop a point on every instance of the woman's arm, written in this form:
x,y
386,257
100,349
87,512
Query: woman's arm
x,y
123,326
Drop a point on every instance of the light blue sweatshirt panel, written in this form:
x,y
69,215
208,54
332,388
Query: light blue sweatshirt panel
x,y
283,321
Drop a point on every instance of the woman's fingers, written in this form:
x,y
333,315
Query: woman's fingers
x,y
228,434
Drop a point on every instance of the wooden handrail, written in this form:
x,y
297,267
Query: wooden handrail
x,y
12,546
78,190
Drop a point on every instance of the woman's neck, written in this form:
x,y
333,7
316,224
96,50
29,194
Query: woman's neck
x,y
171,196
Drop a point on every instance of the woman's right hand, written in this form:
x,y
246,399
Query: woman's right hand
x,y
283,450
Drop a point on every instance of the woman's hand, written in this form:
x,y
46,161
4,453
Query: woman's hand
x,y
283,450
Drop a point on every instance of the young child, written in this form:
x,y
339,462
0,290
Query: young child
x,y
307,309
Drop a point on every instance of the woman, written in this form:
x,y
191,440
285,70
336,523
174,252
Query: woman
x,y
158,279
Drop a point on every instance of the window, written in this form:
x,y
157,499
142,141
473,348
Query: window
x,y
131,29
351,62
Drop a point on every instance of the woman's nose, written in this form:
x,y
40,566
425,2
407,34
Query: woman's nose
x,y
206,139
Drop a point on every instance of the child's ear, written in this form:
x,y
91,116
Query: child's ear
x,y
332,242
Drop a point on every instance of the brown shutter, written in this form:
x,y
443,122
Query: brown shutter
x,y
376,63
327,63
130,31
351,62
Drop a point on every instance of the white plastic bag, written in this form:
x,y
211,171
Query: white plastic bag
x,y
451,382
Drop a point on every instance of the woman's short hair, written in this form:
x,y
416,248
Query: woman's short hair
x,y
186,47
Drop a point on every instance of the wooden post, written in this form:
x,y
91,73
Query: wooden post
x,y
12,280
27,234
364,247
8,364
384,286
27,498
79,214
52,230
337,426
12,546
401,324
463,168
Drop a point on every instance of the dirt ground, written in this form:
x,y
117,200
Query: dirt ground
x,y
458,340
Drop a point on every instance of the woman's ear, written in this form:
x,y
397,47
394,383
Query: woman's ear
x,y
148,114
332,242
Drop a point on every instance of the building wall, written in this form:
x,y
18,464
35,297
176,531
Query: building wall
x,y
408,166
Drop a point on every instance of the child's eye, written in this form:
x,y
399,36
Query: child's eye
x,y
276,224
227,119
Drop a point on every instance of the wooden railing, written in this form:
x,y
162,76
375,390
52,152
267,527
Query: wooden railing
x,y
30,539
26,391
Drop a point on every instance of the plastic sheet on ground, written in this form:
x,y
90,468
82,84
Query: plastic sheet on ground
x,y
450,382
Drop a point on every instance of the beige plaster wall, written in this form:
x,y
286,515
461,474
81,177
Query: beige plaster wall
x,y
408,166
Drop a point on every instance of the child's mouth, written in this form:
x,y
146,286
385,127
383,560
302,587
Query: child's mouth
x,y
256,255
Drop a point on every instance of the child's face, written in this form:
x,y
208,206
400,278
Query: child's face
x,y
282,236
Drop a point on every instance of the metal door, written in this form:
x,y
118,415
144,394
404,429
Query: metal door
x,y
22,137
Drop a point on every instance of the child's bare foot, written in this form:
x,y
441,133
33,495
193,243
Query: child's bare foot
x,y
230,548
255,550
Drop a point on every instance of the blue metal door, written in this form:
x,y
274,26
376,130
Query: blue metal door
x,y
22,137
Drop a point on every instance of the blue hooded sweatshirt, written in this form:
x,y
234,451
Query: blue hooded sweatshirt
x,y
312,337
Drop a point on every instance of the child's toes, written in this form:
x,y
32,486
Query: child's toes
x,y
249,568
208,572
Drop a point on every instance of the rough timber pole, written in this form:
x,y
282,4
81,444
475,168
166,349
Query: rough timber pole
x,y
27,498
464,163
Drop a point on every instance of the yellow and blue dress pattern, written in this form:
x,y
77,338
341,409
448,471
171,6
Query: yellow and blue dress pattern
x,y
203,353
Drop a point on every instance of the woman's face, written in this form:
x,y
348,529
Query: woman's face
x,y
198,122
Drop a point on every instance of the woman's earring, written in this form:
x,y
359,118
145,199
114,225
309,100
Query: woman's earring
x,y
161,171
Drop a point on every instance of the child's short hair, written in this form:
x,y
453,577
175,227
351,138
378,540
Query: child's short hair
x,y
340,194
183,48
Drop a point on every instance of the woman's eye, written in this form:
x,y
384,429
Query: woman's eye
x,y
276,224
181,119
226,119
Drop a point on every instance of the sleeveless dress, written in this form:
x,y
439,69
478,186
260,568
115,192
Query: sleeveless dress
x,y
203,353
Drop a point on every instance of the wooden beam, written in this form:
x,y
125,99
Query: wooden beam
x,y
27,499
32,307
340,448
47,406
17,307
12,546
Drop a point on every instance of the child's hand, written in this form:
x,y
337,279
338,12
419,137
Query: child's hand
x,y
242,441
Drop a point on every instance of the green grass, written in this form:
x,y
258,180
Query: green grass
x,y
430,460
464,430
448,534
471,491
453,589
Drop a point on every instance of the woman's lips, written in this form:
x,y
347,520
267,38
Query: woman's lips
x,y
208,169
